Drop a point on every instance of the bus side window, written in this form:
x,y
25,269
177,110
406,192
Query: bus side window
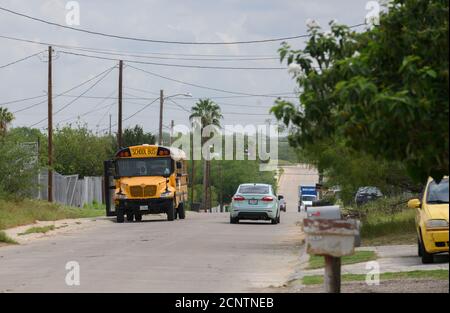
x,y
179,167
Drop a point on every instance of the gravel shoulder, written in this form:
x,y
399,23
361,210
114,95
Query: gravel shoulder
x,y
61,227
387,286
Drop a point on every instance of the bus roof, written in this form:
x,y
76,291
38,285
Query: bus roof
x,y
143,151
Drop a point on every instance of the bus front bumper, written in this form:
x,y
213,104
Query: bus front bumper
x,y
146,206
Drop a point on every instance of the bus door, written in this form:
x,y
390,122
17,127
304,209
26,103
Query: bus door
x,y
109,187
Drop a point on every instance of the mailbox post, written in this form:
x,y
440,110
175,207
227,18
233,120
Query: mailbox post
x,y
331,239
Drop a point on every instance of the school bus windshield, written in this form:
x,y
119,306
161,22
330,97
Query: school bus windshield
x,y
143,167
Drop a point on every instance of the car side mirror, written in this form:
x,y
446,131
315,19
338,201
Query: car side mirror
x,y
414,204
280,197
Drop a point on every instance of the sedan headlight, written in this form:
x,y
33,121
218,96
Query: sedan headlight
x,y
436,224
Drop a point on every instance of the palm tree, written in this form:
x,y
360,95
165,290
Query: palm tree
x,y
6,118
209,113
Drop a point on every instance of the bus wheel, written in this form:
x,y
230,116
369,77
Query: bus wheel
x,y
170,212
181,211
130,217
120,216
138,217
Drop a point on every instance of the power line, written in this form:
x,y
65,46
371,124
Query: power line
x,y
92,32
134,114
134,55
22,100
200,86
20,60
225,113
140,110
92,111
63,93
173,65
89,49
73,101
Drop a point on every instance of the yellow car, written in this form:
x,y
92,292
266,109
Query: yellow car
x,y
432,219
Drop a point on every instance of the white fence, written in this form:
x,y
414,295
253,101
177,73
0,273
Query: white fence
x,y
70,190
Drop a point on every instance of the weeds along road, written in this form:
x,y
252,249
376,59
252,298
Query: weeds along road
x,y
203,253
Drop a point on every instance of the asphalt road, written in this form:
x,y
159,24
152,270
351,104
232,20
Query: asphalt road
x,y
203,253
294,176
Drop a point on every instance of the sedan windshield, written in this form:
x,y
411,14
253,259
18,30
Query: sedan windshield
x,y
438,193
144,167
254,189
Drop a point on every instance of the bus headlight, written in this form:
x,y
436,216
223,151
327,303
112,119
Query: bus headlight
x,y
166,194
121,196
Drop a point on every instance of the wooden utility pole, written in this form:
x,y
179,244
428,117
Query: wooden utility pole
x,y
119,130
191,200
161,105
50,127
110,124
172,126
221,185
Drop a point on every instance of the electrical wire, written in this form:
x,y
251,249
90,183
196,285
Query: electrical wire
x,y
88,49
200,86
20,60
63,93
74,100
92,32
172,65
22,100
92,111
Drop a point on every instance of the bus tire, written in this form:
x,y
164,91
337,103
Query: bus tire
x,y
130,217
181,211
170,212
120,216
138,217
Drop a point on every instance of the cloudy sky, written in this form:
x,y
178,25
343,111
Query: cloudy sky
x,y
172,20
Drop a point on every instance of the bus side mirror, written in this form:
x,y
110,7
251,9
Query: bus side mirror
x,y
166,173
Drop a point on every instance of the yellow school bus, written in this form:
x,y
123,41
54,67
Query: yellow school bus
x,y
146,179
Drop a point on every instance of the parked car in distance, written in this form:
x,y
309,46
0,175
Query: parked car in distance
x,y
255,202
282,203
432,219
367,194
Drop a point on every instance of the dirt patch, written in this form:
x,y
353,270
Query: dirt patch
x,y
55,228
386,286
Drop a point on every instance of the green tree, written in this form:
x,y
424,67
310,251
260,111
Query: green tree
x,y
18,167
136,136
209,113
79,151
384,92
6,118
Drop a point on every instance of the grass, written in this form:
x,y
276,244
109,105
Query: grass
x,y
38,230
5,239
18,212
387,221
433,274
359,256
389,228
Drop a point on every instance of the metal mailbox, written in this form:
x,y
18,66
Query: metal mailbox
x,y
329,212
334,238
